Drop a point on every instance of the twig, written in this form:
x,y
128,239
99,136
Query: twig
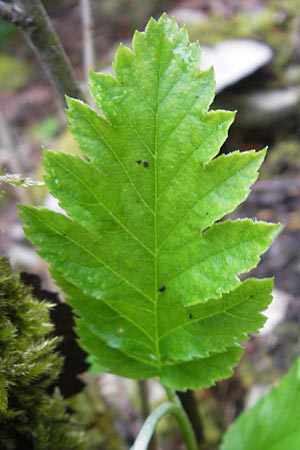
x,y
189,404
145,407
15,162
143,390
40,34
88,42
12,14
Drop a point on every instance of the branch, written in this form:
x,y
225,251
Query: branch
x,y
31,18
12,14
88,42
145,407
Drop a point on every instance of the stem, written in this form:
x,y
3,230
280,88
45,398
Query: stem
x,y
88,42
42,37
144,436
87,45
143,390
172,395
190,406
145,407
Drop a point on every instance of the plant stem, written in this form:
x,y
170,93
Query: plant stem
x,y
188,403
145,407
88,42
172,395
87,46
41,36
143,391
190,406
175,409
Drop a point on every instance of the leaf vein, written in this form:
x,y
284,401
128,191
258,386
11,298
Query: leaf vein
x,y
121,164
217,184
87,187
121,277
212,255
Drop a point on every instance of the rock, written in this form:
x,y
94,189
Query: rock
x,y
52,203
22,257
255,393
235,59
276,100
276,311
263,109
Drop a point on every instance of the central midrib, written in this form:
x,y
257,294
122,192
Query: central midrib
x,y
157,340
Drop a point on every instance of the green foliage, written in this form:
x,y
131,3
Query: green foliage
x,y
14,74
141,253
29,365
273,423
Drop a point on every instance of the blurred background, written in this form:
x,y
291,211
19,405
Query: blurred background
x,y
254,46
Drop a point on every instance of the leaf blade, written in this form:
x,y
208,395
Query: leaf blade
x,y
139,236
275,419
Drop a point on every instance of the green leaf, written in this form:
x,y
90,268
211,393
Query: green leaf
x,y
151,274
273,423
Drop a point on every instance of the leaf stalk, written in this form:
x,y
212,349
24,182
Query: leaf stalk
x,y
175,409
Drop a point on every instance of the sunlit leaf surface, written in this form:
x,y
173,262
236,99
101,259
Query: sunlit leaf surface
x,y
151,274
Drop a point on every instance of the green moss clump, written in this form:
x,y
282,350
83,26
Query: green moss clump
x,y
30,416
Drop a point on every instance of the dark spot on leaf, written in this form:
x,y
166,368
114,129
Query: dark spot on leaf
x,y
139,161
206,213
190,315
162,288
145,164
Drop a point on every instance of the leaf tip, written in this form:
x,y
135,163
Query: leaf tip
x,y
71,102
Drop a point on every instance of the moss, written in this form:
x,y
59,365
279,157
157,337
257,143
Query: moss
x,y
30,417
